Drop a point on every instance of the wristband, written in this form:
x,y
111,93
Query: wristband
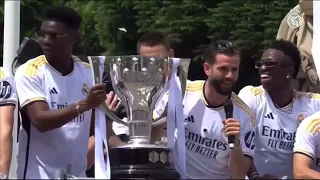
x,y
254,175
78,108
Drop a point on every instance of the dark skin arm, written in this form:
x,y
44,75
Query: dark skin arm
x,y
45,119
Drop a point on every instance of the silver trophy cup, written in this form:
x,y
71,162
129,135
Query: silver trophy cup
x,y
140,82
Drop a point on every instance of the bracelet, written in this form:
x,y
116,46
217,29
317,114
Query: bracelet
x,y
78,107
254,175
3,176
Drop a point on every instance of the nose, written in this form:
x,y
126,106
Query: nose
x,y
262,69
230,75
46,40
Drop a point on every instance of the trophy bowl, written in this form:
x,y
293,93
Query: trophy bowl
x,y
140,82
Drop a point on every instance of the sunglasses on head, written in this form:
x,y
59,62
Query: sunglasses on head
x,y
268,64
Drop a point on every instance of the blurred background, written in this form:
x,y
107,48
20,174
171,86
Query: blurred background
x,y
113,27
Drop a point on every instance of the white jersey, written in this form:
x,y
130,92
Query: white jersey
x,y
207,149
276,128
42,154
308,139
7,89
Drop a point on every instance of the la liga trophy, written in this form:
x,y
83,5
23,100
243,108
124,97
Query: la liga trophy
x,y
140,82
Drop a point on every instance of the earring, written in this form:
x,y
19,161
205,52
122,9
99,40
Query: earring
x,y
288,76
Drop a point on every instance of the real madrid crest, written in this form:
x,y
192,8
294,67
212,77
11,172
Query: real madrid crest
x,y
301,117
294,19
85,89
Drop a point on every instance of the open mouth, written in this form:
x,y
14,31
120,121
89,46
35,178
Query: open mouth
x,y
265,76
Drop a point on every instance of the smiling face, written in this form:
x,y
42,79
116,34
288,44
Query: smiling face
x,y
275,69
223,74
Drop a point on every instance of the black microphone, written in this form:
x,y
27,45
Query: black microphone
x,y
228,109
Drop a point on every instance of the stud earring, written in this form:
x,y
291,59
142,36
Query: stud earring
x,y
288,76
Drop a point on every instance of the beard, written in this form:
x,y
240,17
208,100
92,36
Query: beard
x,y
218,86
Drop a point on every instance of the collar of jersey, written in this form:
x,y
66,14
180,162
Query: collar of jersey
x,y
205,100
74,58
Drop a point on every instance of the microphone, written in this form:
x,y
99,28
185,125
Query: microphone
x,y
228,109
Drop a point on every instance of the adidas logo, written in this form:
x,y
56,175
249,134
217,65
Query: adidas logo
x,y
53,91
190,119
269,116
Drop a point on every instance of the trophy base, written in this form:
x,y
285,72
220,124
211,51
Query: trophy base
x,y
148,162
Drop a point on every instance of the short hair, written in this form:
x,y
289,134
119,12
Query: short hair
x,y
291,50
153,39
63,14
220,47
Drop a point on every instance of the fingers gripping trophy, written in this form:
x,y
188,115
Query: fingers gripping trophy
x,y
140,82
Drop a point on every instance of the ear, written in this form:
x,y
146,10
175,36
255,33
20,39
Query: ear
x,y
78,35
207,68
290,71
171,53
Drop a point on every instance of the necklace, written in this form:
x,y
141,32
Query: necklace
x,y
288,108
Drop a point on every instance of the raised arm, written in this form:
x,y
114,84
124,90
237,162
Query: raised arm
x,y
34,103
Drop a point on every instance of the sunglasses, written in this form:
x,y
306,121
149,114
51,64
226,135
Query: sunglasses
x,y
41,35
269,64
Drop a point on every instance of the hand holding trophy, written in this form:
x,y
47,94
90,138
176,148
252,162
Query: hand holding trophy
x,y
139,82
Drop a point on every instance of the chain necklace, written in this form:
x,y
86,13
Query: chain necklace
x,y
288,108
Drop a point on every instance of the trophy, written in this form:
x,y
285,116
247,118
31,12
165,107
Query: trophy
x,y
140,82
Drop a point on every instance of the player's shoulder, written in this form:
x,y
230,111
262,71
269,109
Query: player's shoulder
x,y
243,107
194,86
311,124
81,63
32,67
252,90
306,95
3,73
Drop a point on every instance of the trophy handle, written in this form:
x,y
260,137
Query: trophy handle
x,y
95,68
112,116
182,74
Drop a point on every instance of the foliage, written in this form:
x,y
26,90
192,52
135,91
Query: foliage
x,y
190,25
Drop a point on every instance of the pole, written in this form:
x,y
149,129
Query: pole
x,y
11,33
316,35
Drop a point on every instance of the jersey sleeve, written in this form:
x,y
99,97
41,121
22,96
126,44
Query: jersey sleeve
x,y
307,133
248,97
247,136
29,86
8,93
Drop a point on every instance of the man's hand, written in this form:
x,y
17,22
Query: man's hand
x,y
238,167
96,96
232,128
113,102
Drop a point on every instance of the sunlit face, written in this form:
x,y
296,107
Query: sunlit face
x,y
274,68
55,38
223,74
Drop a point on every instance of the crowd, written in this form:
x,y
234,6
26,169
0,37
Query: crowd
x,y
276,127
